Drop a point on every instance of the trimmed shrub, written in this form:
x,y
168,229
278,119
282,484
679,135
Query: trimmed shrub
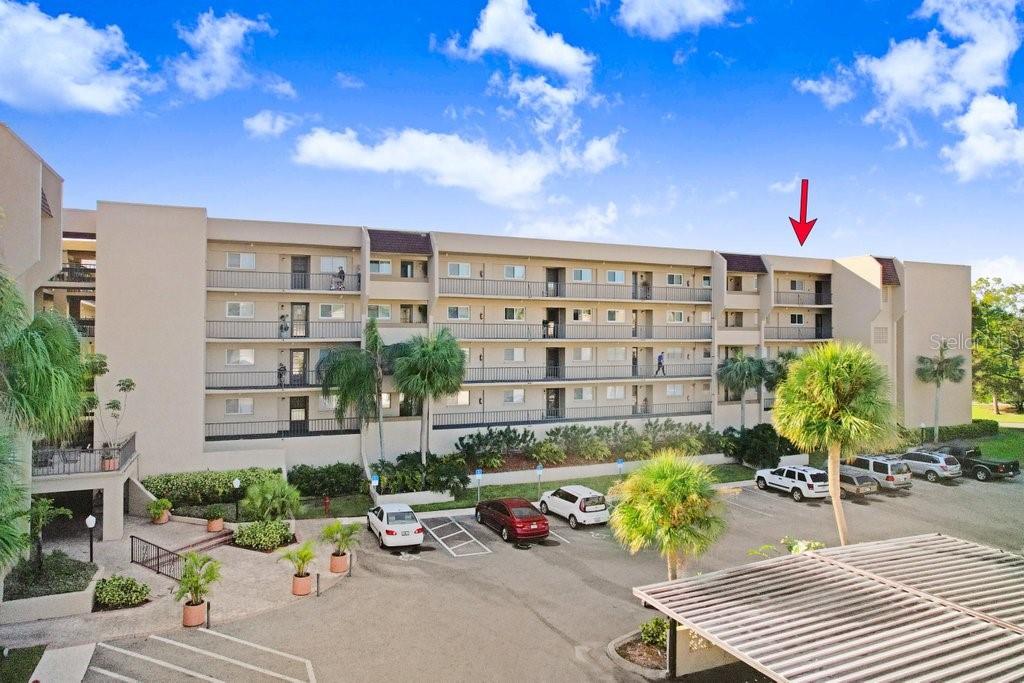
x,y
761,446
338,479
205,487
655,633
975,430
489,448
406,474
117,592
547,453
266,535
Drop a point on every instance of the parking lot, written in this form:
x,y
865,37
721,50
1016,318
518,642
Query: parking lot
x,y
547,611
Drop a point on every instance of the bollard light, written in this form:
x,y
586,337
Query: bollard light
x,y
237,484
90,522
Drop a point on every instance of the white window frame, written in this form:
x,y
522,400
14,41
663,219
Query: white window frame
x,y
458,312
674,279
675,317
612,358
227,357
240,403
796,318
518,271
379,262
674,390
459,398
615,392
583,354
459,272
328,403
615,277
333,263
514,396
518,313
518,354
582,274
585,394
675,353
615,315
796,285
705,280
583,315
334,308
241,309
241,260
385,401
379,307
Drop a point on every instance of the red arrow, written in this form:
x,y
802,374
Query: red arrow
x,y
803,227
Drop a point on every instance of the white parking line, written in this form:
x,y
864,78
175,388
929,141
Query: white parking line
x,y
484,550
257,646
229,660
745,507
559,536
161,663
111,674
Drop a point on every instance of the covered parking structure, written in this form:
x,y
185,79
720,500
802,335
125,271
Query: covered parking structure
x,y
922,608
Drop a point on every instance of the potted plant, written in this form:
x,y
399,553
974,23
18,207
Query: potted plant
x,y
108,462
301,558
343,538
198,573
160,510
215,518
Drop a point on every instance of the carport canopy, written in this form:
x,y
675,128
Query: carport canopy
x,y
921,608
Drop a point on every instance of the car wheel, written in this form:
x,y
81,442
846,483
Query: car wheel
x,y
505,535
761,483
543,507
843,495
380,541
573,522
981,474
479,517
931,476
797,495
368,527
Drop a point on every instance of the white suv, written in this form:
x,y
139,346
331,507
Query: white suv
x,y
800,482
578,504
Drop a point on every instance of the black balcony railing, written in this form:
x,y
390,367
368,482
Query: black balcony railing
x,y
251,279
77,460
527,289
797,333
803,298
292,329
269,379
571,373
575,331
86,328
279,429
153,557
75,272
541,415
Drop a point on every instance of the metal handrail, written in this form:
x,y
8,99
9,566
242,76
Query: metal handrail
x,y
797,332
258,379
543,415
529,331
794,298
57,460
291,329
582,372
253,279
74,272
279,429
570,290
151,556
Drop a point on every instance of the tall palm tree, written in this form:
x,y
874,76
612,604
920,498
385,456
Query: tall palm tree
x,y
835,398
777,369
669,504
739,375
433,366
14,540
936,370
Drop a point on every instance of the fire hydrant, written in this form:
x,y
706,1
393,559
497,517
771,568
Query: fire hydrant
x,y
327,506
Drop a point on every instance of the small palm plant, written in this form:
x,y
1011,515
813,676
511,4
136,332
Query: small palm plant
x,y
740,374
300,557
937,370
836,399
41,514
271,499
198,574
340,535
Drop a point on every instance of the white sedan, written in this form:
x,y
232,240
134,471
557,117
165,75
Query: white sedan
x,y
394,525
577,504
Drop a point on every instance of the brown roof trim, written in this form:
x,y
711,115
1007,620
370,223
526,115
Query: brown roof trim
x,y
400,242
890,276
744,263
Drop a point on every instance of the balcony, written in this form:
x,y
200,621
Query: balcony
x,y
279,429
543,415
797,333
49,461
75,273
527,289
579,331
273,329
86,327
261,380
576,373
803,298
250,279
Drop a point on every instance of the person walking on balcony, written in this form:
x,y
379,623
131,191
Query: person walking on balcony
x,y
282,372
340,284
661,364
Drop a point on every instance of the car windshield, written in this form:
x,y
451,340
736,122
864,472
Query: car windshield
x,y
406,517
524,513
900,468
593,503
819,477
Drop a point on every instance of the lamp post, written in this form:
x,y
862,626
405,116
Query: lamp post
x,y
237,484
923,427
90,522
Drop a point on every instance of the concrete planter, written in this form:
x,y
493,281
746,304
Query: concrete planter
x,y
626,665
50,606
302,585
193,615
339,563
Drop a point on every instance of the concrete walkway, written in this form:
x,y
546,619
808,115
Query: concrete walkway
x,y
63,663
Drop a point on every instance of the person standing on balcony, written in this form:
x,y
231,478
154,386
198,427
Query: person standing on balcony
x,y
282,372
661,364
341,278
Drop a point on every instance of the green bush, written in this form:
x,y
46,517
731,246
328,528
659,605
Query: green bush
x,y
338,479
265,535
975,430
216,511
547,453
118,591
205,487
491,447
655,633
406,474
60,574
157,507
761,446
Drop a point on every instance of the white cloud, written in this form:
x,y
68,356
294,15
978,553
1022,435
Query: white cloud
x,y
588,224
786,186
269,124
662,19
991,138
680,56
348,81
215,63
1009,269
833,90
497,177
281,87
64,63
510,27
655,205
553,108
600,153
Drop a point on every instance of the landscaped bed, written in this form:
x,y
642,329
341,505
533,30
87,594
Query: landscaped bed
x,y
60,574
640,653
18,665
350,505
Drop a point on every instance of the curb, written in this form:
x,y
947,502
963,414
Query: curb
x,y
626,665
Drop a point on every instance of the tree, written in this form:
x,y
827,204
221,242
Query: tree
x,y
997,352
42,512
835,398
740,374
13,539
432,367
271,499
115,407
777,369
936,370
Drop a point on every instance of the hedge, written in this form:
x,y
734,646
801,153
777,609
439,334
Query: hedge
x,y
338,479
205,487
265,535
119,591
975,430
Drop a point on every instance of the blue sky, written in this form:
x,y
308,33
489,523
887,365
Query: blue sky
x,y
675,122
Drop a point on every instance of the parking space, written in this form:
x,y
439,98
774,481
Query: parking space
x,y
452,535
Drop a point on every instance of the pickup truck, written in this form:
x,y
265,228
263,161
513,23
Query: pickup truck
x,y
972,463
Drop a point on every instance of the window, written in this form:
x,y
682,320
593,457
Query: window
x,y
240,357
380,266
796,285
515,395
582,315
705,281
675,390
583,353
515,313
707,352
674,353
583,394
328,403
582,275
334,311
385,401
615,392
616,277
241,260
238,406
240,309
880,335
617,353
676,316
615,315
332,264
465,355
460,398
516,354
674,279
796,318
515,272
379,311
458,269
705,317
458,312
734,283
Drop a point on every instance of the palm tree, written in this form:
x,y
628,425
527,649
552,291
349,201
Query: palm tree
x,y
13,539
42,512
198,573
740,374
777,369
835,398
936,370
433,366
271,499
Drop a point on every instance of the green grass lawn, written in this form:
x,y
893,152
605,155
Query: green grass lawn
x,y
983,411
1007,445
20,663
725,473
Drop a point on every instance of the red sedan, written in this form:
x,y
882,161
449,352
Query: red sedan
x,y
514,518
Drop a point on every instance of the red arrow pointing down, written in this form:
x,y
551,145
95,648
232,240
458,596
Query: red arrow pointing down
x,y
803,227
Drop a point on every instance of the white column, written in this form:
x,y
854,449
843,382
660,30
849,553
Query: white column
x,y
113,511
